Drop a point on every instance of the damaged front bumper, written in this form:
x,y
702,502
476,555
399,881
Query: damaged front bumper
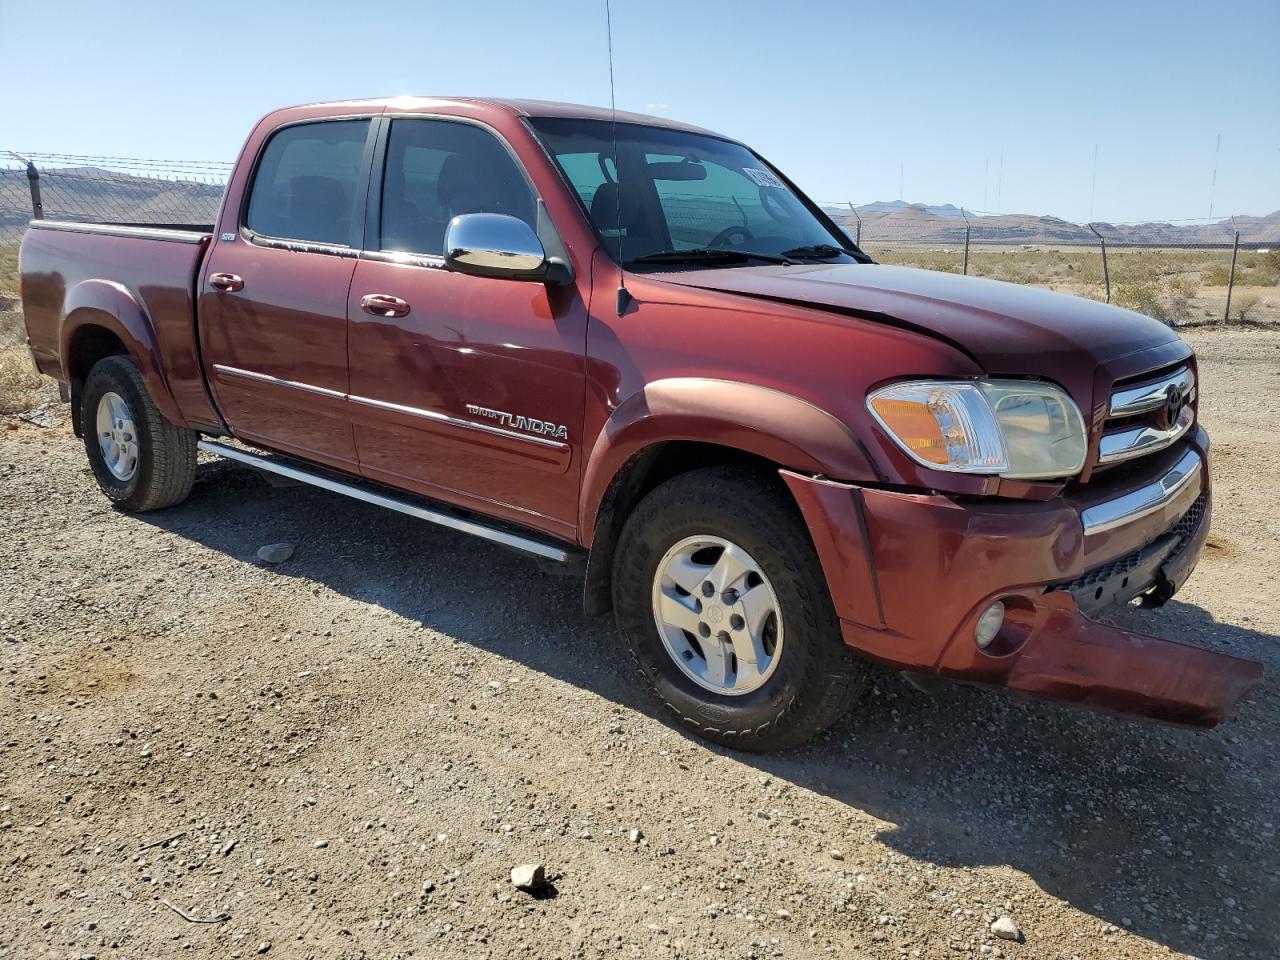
x,y
911,574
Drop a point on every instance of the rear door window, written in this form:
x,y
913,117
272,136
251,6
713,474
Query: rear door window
x,y
305,185
439,169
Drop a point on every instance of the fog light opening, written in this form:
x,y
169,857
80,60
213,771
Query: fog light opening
x,y
988,626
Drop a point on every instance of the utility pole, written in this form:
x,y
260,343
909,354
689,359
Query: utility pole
x,y
1000,185
1093,190
1213,186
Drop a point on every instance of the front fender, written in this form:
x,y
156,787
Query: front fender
x,y
111,306
777,426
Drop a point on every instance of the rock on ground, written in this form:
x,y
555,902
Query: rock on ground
x,y
529,876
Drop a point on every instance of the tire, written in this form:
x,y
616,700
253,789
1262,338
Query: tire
x,y
163,465
812,677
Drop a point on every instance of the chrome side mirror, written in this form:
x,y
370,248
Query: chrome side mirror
x,y
494,245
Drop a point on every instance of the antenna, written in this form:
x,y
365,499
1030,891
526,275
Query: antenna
x,y
624,296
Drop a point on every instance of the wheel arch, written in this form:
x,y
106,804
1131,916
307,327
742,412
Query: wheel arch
x,y
101,319
681,424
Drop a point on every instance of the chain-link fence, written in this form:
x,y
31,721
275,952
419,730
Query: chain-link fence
x,y
1187,271
96,190
1182,272
107,190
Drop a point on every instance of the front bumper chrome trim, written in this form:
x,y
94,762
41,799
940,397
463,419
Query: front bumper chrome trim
x,y
1145,500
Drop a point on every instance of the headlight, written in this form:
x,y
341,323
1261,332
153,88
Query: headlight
x,y
1015,428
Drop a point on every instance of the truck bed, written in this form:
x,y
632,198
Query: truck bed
x,y
74,272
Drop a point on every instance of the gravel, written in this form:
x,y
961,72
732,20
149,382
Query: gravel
x,y
437,710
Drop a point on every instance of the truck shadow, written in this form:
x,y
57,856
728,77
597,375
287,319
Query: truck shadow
x,y
1165,832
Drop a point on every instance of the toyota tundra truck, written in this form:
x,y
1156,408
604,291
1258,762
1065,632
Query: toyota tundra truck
x,y
633,345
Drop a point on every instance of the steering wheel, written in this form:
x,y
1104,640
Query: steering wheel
x,y
724,235
775,208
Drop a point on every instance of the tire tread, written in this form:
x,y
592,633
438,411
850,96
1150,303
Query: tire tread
x,y
168,464
837,678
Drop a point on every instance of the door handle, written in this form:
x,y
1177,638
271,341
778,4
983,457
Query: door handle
x,y
226,281
384,305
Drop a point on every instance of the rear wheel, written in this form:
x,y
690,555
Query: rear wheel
x,y
140,460
722,602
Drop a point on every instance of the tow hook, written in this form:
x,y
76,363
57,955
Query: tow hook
x,y
1158,595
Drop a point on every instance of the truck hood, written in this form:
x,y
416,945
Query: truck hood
x,y
1007,329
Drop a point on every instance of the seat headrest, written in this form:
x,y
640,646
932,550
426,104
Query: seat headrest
x,y
315,204
459,184
607,214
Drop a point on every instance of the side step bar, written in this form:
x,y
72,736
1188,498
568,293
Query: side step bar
x,y
516,542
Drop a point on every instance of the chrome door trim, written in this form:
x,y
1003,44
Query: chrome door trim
x,y
404,259
516,542
1151,396
433,415
299,246
141,231
1141,440
278,381
436,417
1145,500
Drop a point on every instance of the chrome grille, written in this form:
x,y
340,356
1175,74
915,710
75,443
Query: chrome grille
x,y
1148,416
1183,530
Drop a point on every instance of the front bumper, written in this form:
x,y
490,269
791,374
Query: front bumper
x,y
910,574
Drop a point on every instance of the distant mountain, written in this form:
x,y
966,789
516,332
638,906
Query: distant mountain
x,y
945,210
916,222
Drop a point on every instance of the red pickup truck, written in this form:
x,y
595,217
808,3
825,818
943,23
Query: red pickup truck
x,y
625,342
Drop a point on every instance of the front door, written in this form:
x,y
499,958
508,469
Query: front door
x,y
464,388
273,304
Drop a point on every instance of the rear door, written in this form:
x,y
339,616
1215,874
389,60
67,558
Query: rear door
x,y
469,389
273,301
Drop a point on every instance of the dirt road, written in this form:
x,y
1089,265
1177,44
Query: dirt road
x,y
348,753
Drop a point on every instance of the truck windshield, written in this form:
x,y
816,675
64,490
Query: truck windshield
x,y
679,199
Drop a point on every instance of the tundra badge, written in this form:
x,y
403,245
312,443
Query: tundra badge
x,y
514,422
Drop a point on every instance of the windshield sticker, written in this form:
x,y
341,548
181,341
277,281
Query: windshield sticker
x,y
763,178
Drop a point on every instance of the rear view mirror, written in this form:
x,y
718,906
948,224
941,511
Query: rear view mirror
x,y
676,170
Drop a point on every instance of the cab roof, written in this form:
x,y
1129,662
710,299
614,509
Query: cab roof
x,y
516,107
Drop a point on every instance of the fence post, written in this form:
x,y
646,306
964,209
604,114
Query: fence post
x,y
1106,274
967,227
33,182
1231,281
857,240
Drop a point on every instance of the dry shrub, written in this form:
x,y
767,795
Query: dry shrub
x,y
1138,296
1245,307
21,388
1169,304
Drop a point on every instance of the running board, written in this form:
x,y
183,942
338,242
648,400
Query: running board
x,y
516,542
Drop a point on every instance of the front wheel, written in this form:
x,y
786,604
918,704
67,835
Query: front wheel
x,y
140,460
724,607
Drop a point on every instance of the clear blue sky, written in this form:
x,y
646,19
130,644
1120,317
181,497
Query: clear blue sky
x,y
857,101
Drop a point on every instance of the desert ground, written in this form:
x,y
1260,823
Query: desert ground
x,y
344,755
1183,287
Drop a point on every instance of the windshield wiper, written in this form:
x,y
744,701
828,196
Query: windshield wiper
x,y
710,255
822,251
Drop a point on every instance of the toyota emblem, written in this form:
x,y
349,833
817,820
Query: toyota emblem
x,y
1174,401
